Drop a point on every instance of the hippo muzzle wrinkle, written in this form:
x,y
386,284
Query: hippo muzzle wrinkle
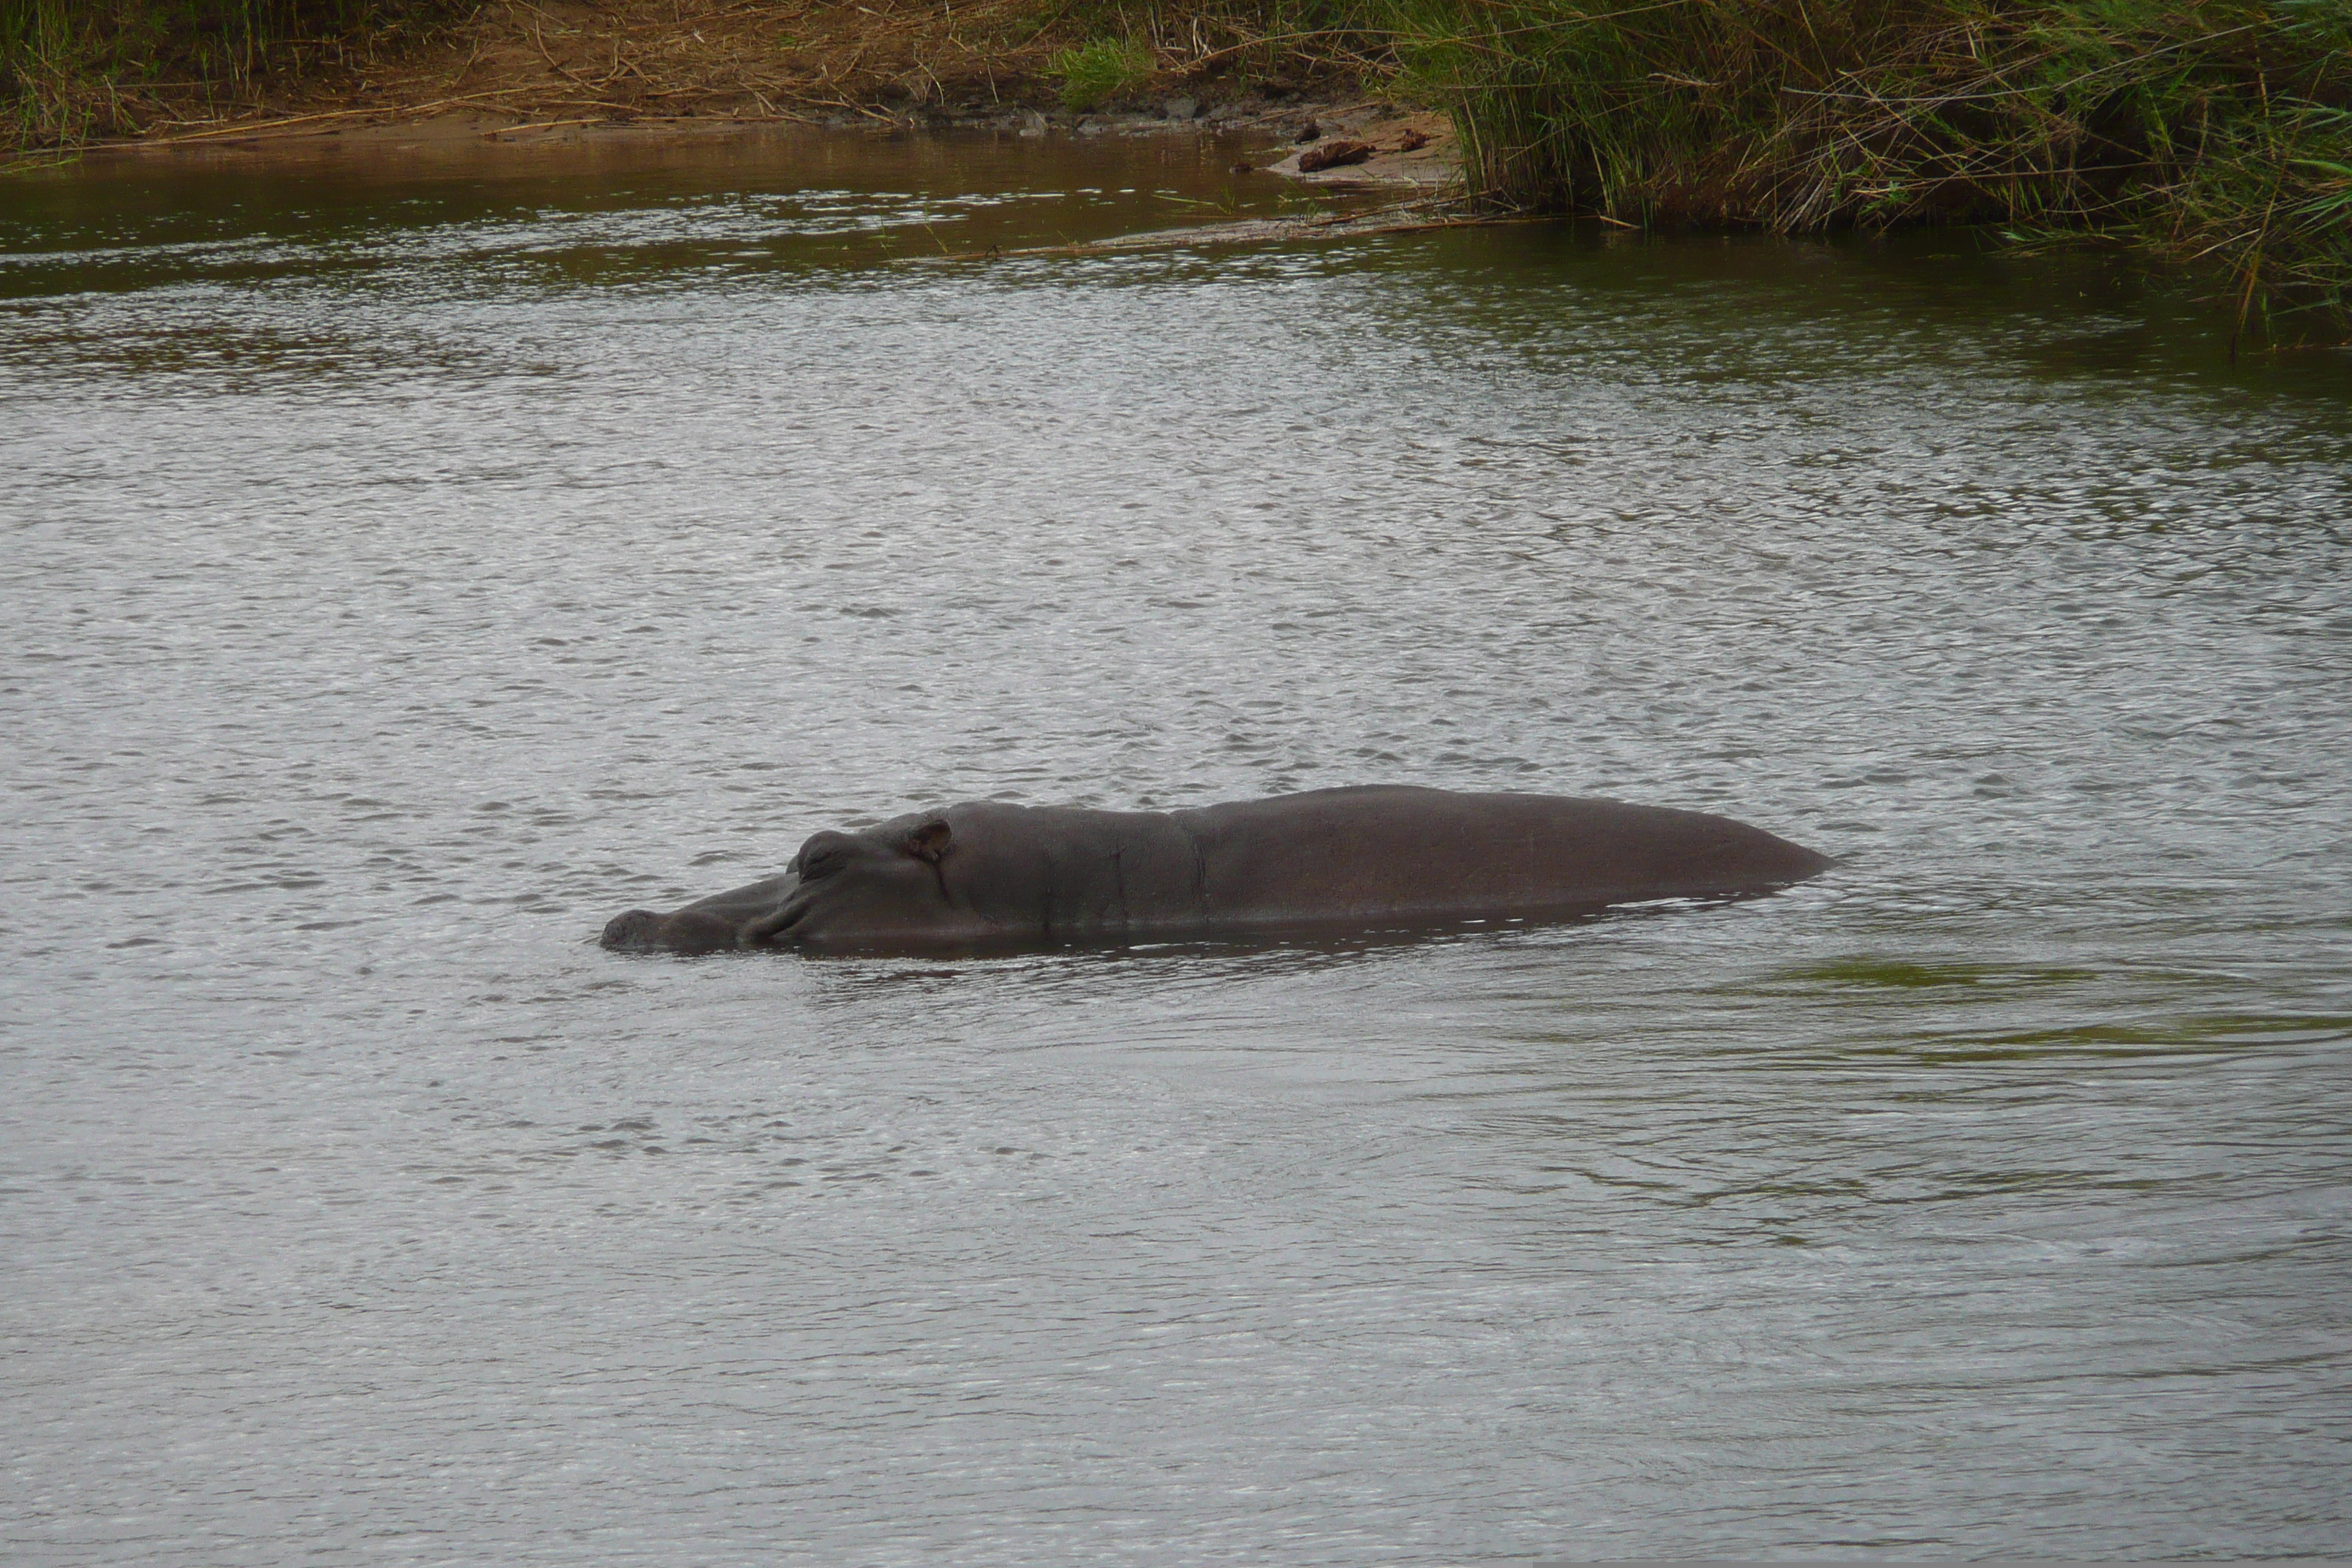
x,y
762,931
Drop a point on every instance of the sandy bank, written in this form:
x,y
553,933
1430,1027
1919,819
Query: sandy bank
x,y
1378,143
1366,144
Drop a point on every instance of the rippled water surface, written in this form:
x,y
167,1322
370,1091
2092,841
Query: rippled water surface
x,y
410,564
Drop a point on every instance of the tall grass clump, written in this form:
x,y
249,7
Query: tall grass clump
x,y
1314,45
2218,130
1094,73
71,69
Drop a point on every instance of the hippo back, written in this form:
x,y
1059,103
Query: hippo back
x,y
1381,853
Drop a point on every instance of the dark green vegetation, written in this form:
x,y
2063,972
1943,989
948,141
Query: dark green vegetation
x,y
2216,131
74,69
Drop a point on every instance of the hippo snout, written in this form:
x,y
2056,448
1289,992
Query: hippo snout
x,y
690,930
638,928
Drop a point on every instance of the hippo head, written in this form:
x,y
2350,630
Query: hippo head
x,y
885,885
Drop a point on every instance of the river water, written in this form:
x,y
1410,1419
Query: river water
x,y
411,562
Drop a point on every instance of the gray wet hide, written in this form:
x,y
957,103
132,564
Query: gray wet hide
x,y
988,876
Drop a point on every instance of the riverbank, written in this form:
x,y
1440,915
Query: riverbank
x,y
68,82
2218,136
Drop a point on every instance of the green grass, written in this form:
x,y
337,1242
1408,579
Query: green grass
x,y
1314,45
1094,73
2219,131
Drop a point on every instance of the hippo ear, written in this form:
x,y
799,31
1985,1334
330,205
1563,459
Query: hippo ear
x,y
930,840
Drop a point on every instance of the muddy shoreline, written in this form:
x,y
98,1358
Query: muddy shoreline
x,y
1377,143
1387,168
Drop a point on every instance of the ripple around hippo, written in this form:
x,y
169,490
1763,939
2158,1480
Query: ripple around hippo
x,y
988,876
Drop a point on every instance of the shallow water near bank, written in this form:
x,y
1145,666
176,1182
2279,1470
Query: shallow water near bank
x,y
411,564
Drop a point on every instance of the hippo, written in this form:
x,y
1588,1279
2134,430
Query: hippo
x,y
985,876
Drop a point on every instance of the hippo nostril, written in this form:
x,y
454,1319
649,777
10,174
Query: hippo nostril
x,y
638,928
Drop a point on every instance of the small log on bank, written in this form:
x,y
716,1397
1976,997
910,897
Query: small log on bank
x,y
1333,155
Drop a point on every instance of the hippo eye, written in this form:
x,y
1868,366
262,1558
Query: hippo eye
x,y
818,859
